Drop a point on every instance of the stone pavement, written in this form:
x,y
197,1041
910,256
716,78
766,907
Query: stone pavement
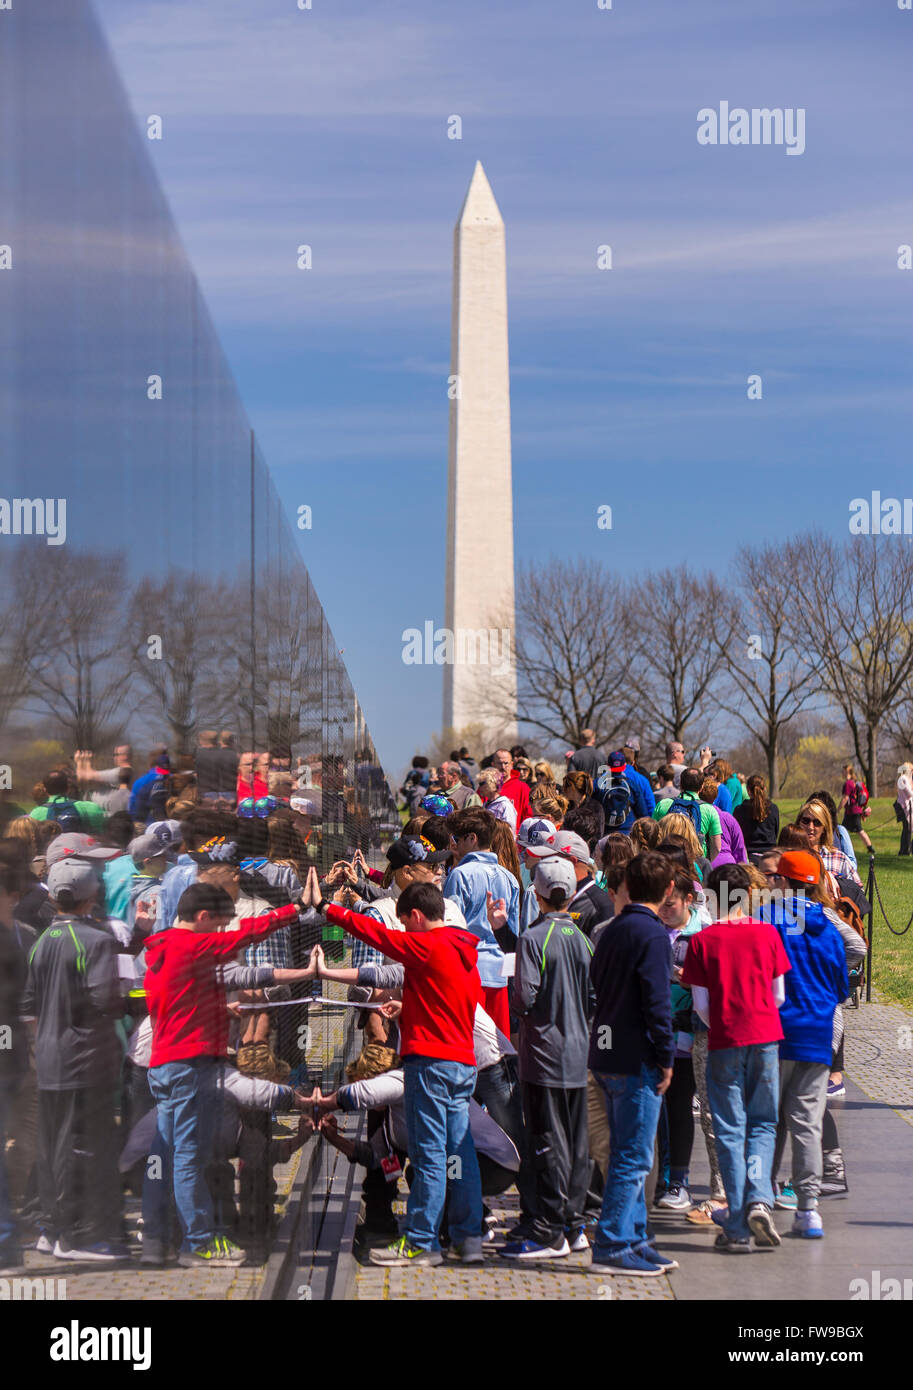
x,y
867,1230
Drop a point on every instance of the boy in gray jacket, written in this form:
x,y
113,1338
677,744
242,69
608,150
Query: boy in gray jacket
x,y
552,998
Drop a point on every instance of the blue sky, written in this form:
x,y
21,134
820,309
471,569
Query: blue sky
x,y
329,127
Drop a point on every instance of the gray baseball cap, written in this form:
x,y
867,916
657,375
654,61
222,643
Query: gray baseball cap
x,y
555,873
572,846
78,847
148,846
78,875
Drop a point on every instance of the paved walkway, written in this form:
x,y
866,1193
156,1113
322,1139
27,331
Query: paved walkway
x,y
867,1230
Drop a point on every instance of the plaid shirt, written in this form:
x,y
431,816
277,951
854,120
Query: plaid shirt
x,y
837,863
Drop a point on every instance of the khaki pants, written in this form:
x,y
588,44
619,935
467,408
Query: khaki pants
x,y
599,1126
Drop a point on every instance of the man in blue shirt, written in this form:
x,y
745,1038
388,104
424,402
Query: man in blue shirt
x,y
621,772
477,874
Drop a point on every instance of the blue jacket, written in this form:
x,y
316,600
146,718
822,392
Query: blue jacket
x,y
467,884
723,800
178,877
643,802
817,982
141,805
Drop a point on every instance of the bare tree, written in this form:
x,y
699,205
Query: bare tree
x,y
570,638
77,665
857,619
770,680
178,649
682,623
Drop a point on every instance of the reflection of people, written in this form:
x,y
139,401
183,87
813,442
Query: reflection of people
x,y
252,770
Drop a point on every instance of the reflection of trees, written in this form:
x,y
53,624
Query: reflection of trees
x,y
74,652
191,683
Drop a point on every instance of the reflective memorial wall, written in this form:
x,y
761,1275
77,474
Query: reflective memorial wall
x,y
151,585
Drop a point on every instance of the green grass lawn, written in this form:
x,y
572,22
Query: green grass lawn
x,y
893,955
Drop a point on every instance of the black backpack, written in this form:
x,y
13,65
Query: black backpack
x,y
614,793
66,816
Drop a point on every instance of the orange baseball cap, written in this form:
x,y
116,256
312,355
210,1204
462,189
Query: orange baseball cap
x,y
800,866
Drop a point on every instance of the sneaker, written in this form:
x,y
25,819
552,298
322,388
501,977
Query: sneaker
x,y
628,1262
218,1253
534,1250
676,1198
835,1089
403,1252
576,1238
719,1216
761,1225
833,1178
44,1244
696,1106
786,1198
649,1252
808,1224
732,1247
469,1253
102,1252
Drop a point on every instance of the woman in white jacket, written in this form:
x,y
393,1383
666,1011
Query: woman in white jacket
x,y
905,803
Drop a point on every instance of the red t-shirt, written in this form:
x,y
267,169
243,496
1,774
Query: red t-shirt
x,y
737,963
517,792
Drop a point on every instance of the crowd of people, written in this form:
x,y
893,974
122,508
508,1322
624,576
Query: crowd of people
x,y
556,978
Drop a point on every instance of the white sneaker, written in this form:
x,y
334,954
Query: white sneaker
x,y
808,1224
761,1225
43,1245
676,1198
577,1240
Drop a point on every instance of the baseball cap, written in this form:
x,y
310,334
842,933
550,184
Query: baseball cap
x,y
147,847
411,849
217,851
536,830
167,832
303,805
572,846
438,804
617,760
78,847
555,873
80,877
502,808
800,866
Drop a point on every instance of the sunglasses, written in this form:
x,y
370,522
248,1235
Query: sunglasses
x,y
809,820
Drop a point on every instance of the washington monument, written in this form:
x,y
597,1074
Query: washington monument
x,y
480,684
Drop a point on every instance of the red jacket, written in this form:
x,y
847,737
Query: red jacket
x,y
441,989
516,791
184,993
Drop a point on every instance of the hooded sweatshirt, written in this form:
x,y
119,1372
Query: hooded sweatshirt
x,y
817,982
441,986
184,992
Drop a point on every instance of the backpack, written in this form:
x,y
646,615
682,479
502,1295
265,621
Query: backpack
x,y
684,806
615,796
158,798
861,796
66,816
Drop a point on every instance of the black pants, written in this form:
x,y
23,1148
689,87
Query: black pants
x,y
906,847
498,1089
556,1122
78,1178
678,1100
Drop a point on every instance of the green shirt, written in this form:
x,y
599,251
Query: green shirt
x,y
710,820
93,815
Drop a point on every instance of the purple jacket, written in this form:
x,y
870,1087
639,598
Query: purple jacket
x,y
732,840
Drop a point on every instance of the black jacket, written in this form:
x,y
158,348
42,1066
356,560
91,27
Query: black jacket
x,y
631,969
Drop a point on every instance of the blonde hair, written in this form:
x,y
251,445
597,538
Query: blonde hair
x,y
905,770
676,824
645,834
23,828
821,811
553,808
488,783
544,772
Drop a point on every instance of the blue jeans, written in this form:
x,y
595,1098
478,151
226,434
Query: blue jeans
x,y
743,1085
187,1096
632,1107
437,1099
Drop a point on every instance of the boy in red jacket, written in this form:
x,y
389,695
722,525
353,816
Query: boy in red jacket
x,y
440,994
187,1006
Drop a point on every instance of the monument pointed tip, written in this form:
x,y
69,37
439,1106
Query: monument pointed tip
x,y
479,205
